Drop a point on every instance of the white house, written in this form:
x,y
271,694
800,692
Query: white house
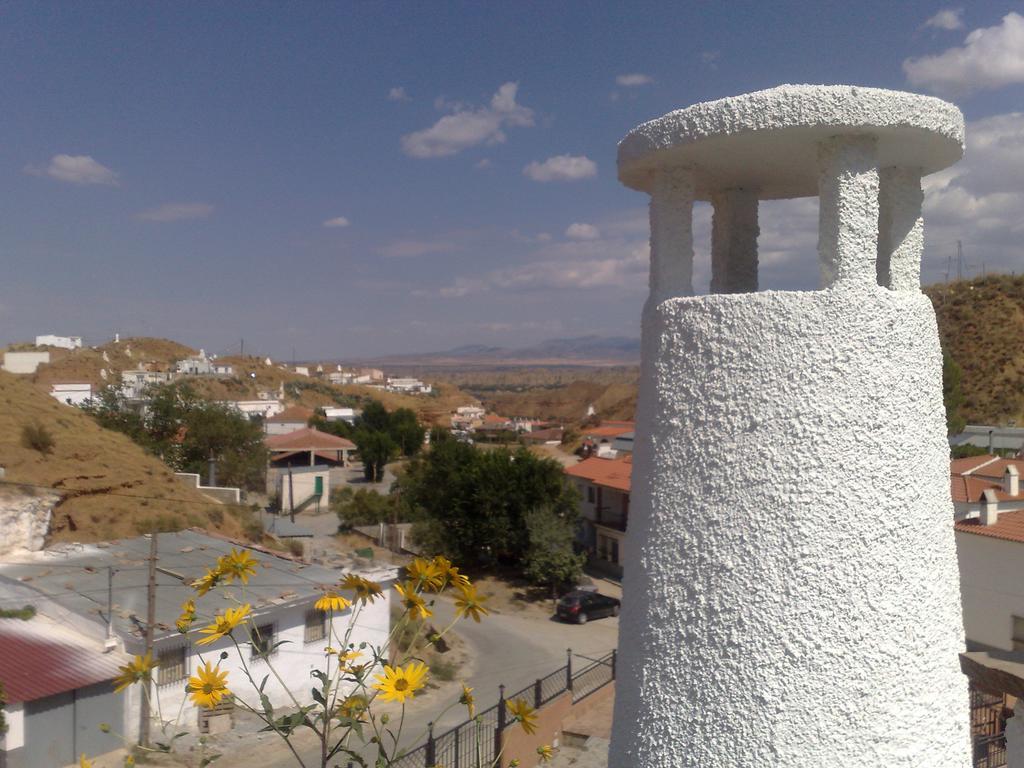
x,y
604,486
340,377
24,362
71,392
282,595
300,488
57,687
195,365
408,385
970,478
262,408
290,419
135,381
348,415
63,342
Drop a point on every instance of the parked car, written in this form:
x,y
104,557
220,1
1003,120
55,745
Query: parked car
x,y
582,606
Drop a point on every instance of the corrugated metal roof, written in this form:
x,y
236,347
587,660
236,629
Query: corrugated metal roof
x,y
182,557
38,658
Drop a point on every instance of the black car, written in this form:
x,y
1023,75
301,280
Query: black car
x,y
581,607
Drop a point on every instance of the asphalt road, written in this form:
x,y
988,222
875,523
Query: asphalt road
x,y
510,649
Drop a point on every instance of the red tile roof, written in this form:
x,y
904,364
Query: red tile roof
x,y
39,660
293,414
308,439
610,429
969,464
1009,527
997,468
971,477
609,473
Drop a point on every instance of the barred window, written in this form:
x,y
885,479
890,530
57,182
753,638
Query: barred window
x,y
316,626
263,640
172,667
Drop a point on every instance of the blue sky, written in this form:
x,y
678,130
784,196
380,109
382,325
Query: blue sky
x,y
348,179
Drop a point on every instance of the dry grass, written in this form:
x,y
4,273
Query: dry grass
x,y
981,323
110,486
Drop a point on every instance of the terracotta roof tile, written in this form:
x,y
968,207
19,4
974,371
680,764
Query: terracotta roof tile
x,y
293,413
308,439
609,473
1009,527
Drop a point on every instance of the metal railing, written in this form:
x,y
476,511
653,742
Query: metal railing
x,y
457,747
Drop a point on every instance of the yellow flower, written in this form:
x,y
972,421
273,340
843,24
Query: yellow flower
x,y
83,763
208,686
366,591
208,581
524,714
469,603
332,602
398,684
135,670
514,763
129,761
424,574
467,699
223,624
354,706
237,564
545,752
346,657
450,572
413,602
188,615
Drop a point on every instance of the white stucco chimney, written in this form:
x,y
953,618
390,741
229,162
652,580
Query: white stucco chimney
x,y
989,508
1011,480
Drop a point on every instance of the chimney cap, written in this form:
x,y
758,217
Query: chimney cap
x,y
1011,470
988,496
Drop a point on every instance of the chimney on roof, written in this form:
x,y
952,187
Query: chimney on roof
x,y
1011,480
989,508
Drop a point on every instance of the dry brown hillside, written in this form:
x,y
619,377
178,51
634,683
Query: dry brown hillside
x,y
981,323
85,365
569,402
110,486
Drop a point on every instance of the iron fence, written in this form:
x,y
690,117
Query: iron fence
x,y
457,747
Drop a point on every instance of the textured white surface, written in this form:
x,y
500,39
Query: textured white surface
x,y
25,521
671,215
912,130
734,232
791,598
900,228
848,209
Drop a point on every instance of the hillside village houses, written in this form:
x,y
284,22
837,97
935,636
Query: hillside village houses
x,y
76,393
604,485
63,691
25,363
62,342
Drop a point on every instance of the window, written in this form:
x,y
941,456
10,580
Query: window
x,y
590,494
1018,633
316,626
172,666
263,640
613,552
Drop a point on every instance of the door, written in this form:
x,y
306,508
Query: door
x,y
318,485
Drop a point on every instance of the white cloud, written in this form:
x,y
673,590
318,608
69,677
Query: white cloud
x,y
176,212
76,169
398,94
633,80
470,127
337,221
482,164
562,168
991,57
978,201
947,19
581,231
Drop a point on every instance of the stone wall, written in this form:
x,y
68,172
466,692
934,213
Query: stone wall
x,y
25,519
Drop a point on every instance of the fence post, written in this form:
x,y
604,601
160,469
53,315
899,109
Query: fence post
x,y
568,669
615,657
430,760
500,727
537,694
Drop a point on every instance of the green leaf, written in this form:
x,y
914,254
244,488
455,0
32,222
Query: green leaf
x,y
318,697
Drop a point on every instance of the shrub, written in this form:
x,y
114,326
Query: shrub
x,y
38,438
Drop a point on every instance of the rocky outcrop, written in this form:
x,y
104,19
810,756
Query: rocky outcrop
x,y
25,519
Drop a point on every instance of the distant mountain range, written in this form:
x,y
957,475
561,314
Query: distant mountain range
x,y
580,350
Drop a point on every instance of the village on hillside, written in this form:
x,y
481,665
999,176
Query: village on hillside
x,y
523,385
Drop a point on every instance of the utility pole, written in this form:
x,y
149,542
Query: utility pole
x,y
949,264
241,352
147,689
959,260
110,603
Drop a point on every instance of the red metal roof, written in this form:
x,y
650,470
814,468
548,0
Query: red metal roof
x,y
39,659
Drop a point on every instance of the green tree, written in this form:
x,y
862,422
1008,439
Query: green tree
x,y
376,449
474,503
952,395
406,430
363,506
550,556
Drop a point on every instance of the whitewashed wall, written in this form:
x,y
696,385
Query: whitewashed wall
x,y
991,587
